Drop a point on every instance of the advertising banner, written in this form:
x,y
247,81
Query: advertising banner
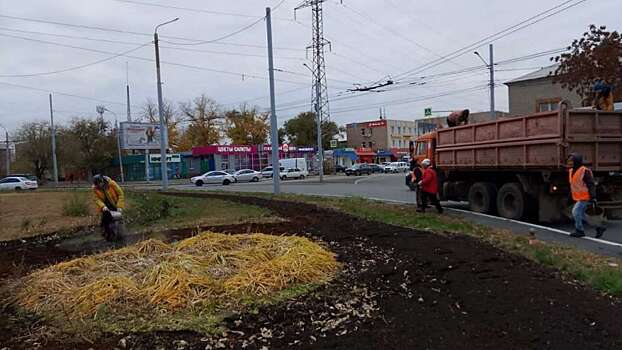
x,y
140,135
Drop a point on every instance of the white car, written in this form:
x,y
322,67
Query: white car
x,y
294,173
401,166
17,183
267,171
213,177
390,168
247,175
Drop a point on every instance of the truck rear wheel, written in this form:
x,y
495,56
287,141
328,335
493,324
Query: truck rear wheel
x,y
511,201
482,197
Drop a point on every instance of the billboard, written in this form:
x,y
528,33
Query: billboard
x,y
140,135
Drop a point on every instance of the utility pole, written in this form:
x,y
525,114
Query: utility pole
x,y
127,90
274,132
7,151
491,67
493,115
320,89
53,143
163,124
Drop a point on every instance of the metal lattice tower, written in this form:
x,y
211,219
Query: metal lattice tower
x,y
319,94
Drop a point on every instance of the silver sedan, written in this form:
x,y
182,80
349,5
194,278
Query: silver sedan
x,y
247,175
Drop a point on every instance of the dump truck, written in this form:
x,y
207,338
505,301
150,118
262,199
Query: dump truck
x,y
516,167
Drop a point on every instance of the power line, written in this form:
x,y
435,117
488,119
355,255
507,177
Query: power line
x,y
75,67
242,75
137,43
64,94
238,31
496,36
121,31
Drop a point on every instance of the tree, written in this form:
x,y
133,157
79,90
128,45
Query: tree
x,y
302,130
596,56
171,118
204,122
35,148
247,126
96,146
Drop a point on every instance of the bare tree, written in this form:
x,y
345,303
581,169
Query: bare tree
x,y
35,147
172,119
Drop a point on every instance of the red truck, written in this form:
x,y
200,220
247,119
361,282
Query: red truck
x,y
516,167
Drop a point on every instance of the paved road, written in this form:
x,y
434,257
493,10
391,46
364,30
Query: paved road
x,y
390,187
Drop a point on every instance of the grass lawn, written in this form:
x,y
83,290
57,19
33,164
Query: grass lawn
x,y
29,214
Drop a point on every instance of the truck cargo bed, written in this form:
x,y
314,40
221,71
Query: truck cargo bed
x,y
539,141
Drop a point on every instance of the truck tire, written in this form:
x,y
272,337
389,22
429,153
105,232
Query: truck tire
x,y
482,197
511,201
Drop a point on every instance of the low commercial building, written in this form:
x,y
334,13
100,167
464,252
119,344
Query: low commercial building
x,y
381,140
223,157
535,92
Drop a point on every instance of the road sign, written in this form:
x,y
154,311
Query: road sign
x,y
428,112
333,143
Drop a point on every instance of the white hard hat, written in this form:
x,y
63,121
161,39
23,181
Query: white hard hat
x,y
426,162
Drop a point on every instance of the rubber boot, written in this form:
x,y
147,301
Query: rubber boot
x,y
600,231
578,234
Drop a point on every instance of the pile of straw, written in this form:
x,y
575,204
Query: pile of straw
x,y
209,271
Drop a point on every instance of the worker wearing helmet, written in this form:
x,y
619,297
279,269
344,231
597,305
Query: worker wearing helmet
x,y
429,187
603,97
583,193
109,199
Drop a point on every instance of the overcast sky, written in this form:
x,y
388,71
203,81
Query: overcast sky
x,y
371,41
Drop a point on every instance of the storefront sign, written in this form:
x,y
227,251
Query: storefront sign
x,y
170,158
377,124
245,149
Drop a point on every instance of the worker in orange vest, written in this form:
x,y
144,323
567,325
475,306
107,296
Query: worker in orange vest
x,y
603,97
583,193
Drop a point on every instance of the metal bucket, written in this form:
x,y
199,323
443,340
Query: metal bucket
x,y
595,216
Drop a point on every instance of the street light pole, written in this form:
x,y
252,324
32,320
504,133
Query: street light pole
x,y
274,133
55,164
163,125
491,67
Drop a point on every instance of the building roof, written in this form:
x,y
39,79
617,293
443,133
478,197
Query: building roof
x,y
539,74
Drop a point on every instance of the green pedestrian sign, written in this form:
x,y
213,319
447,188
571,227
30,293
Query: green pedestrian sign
x,y
428,112
333,143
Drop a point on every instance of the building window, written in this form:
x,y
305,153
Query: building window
x,y
363,131
394,143
399,129
392,130
363,144
547,105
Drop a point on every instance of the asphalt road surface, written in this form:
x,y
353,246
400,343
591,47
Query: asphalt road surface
x,y
391,188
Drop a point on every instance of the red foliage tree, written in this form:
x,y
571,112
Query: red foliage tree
x,y
595,56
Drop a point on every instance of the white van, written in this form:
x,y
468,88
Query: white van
x,y
400,166
295,163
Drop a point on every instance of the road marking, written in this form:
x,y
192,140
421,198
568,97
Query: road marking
x,y
356,182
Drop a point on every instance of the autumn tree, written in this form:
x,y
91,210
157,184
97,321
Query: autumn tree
x,y
246,126
171,116
35,148
96,146
597,55
203,122
302,130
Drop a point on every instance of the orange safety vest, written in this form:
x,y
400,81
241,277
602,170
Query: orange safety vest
x,y
578,188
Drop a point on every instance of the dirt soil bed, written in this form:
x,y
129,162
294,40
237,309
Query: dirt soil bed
x,y
402,289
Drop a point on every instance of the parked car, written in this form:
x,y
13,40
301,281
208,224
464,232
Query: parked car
x,y
358,170
267,171
247,175
213,177
390,168
17,183
27,176
375,168
401,166
340,168
293,173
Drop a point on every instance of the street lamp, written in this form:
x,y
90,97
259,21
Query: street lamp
x,y
163,130
491,68
7,151
101,110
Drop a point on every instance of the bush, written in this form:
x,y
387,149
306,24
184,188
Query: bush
x,y
147,208
76,205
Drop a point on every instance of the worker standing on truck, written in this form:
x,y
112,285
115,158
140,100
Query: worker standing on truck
x,y
110,202
603,97
429,188
583,193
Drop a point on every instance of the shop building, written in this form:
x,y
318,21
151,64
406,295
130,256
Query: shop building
x,y
383,134
235,157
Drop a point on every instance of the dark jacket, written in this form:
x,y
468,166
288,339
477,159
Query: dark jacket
x,y
588,178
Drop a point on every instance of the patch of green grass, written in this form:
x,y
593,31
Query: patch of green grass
x,y
77,205
149,209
